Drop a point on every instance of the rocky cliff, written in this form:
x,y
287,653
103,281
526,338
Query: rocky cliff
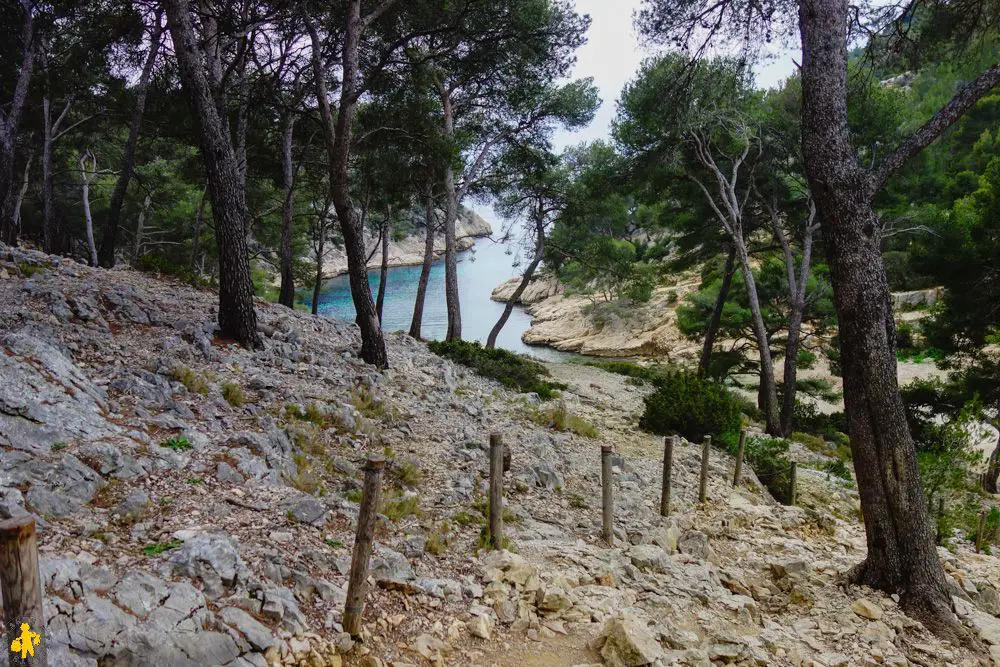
x,y
588,325
409,251
197,503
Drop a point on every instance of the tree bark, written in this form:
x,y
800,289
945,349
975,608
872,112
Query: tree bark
x,y
237,317
85,176
425,269
797,306
768,394
338,141
384,269
452,301
22,191
989,478
199,220
318,283
902,557
109,239
716,321
140,225
529,272
9,123
49,129
287,294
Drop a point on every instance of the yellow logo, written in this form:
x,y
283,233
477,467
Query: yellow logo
x,y
26,643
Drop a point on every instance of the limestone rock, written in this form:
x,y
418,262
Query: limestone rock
x,y
865,608
211,558
629,643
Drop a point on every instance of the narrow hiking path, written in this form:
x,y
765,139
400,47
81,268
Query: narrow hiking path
x,y
198,503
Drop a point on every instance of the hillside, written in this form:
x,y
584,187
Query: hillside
x,y
197,503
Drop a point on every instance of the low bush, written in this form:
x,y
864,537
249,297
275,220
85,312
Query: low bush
x,y
233,393
768,458
191,380
691,406
559,417
507,368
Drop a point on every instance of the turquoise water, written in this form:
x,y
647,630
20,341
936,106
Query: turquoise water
x,y
480,269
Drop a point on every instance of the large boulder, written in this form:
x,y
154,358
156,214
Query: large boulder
x,y
627,642
212,559
45,398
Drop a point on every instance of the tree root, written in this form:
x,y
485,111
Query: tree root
x,y
931,607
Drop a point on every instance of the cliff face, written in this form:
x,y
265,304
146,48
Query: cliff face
x,y
574,323
409,251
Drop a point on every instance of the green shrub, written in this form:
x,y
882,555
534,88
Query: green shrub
x,y
507,368
559,417
191,380
396,507
691,406
157,549
813,443
768,458
233,393
178,443
837,468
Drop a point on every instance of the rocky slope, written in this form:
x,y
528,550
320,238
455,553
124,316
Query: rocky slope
x,y
409,251
183,526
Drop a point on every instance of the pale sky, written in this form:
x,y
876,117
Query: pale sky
x,y
612,56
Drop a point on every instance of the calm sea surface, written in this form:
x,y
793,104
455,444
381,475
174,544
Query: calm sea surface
x,y
480,269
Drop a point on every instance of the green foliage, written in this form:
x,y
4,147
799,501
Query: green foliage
x,y
178,443
192,381
838,468
768,458
233,393
396,506
407,473
559,417
691,406
509,369
157,549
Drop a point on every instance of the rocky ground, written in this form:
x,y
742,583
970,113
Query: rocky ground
x,y
197,502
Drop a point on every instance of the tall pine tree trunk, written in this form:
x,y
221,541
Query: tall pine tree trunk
x,y
384,268
425,269
451,295
85,178
287,293
48,203
9,124
237,317
491,341
716,321
109,239
902,557
768,394
338,141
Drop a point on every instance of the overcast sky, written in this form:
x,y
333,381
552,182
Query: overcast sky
x,y
612,56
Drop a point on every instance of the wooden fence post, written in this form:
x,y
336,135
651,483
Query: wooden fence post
x,y
24,621
355,603
739,458
792,488
668,464
496,490
979,531
607,500
706,446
